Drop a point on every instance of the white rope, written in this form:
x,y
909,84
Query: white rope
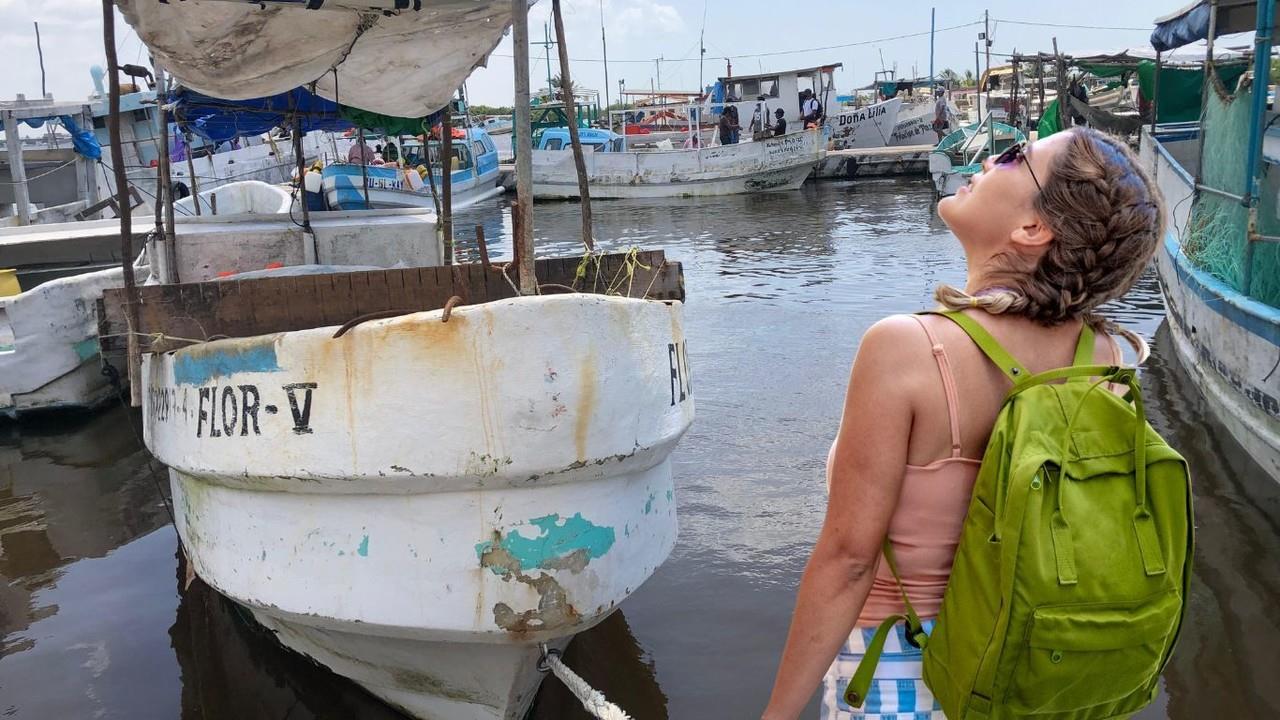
x,y
593,701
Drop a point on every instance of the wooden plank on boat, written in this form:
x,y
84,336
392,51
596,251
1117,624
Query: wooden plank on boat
x,y
171,316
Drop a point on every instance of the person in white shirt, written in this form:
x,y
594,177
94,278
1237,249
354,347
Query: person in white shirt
x,y
810,109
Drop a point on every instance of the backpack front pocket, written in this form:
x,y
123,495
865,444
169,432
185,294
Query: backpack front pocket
x,y
1080,656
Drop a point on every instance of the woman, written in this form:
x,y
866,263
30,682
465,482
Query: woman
x,y
1050,232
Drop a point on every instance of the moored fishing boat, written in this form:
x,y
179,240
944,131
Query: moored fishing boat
x,y
758,97
474,178
768,165
1219,266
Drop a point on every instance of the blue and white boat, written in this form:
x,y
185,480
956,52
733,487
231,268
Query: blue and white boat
x,y
1217,262
474,177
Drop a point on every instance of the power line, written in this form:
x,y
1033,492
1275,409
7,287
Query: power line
x,y
780,52
1074,27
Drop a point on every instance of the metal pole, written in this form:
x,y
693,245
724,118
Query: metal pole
x,y
986,41
546,45
164,174
1059,74
1155,95
1253,169
364,168
122,200
1204,88
523,224
604,49
446,181
579,161
40,52
191,174
933,16
301,160
21,193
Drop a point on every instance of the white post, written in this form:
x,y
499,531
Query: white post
x,y
21,193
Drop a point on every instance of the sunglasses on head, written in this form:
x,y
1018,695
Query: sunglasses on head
x,y
1017,153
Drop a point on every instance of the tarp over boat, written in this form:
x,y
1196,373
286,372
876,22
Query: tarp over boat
x,y
1191,23
404,63
219,120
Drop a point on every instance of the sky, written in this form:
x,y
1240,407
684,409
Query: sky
x,y
758,36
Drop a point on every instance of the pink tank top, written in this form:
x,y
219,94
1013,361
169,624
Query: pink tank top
x,y
925,528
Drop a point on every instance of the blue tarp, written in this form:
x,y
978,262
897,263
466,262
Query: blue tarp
x,y
1183,29
218,120
82,139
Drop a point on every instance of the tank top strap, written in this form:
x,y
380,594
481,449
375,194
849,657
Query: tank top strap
x,y
948,385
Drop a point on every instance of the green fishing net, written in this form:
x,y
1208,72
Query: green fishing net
x,y
1215,238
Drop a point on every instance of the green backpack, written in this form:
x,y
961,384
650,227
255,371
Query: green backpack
x,y
1070,581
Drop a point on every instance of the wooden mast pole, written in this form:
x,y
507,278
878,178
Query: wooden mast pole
x,y
446,181
579,161
122,200
524,149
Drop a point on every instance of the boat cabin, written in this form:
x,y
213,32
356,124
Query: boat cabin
x,y
470,148
592,139
778,90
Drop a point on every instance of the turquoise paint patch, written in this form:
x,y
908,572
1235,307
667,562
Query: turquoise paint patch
x,y
363,550
670,495
199,366
8,348
648,504
87,348
557,539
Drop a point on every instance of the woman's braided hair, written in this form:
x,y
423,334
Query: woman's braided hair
x,y
1107,218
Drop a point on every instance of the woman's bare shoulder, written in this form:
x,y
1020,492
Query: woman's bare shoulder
x,y
894,344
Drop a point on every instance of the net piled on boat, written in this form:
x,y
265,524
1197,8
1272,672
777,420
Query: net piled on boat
x,y
1216,237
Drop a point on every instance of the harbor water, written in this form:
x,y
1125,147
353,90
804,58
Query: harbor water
x,y
97,619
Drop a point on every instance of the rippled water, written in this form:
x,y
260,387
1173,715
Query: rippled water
x,y
93,621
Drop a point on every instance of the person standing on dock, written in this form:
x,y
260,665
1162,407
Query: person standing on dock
x,y
941,121
1050,232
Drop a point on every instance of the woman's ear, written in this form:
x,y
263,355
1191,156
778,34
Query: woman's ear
x,y
1032,234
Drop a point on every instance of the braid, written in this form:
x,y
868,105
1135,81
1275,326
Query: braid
x,y
1107,218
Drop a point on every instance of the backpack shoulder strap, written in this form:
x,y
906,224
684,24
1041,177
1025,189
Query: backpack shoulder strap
x,y
1009,365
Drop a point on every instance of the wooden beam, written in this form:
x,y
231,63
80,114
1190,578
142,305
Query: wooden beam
x,y
521,133
172,316
579,162
21,193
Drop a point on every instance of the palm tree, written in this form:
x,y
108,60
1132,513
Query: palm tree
x,y
556,91
969,79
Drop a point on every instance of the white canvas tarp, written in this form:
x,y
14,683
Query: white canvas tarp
x,y
405,63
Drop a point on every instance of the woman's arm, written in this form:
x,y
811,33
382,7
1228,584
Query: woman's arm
x,y
865,475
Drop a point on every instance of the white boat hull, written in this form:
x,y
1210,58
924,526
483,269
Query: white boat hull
x,y
775,164
867,127
418,504
49,356
1227,342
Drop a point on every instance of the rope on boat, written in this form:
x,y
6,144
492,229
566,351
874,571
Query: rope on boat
x,y
593,701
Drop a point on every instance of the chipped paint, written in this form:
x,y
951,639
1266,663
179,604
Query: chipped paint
x,y
87,348
363,550
648,504
559,545
554,610
200,364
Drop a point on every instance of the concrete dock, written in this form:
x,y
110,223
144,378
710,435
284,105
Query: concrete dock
x,y
895,161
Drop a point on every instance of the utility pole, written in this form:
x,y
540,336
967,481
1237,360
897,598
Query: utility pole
x,y
986,39
522,211
658,63
604,48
